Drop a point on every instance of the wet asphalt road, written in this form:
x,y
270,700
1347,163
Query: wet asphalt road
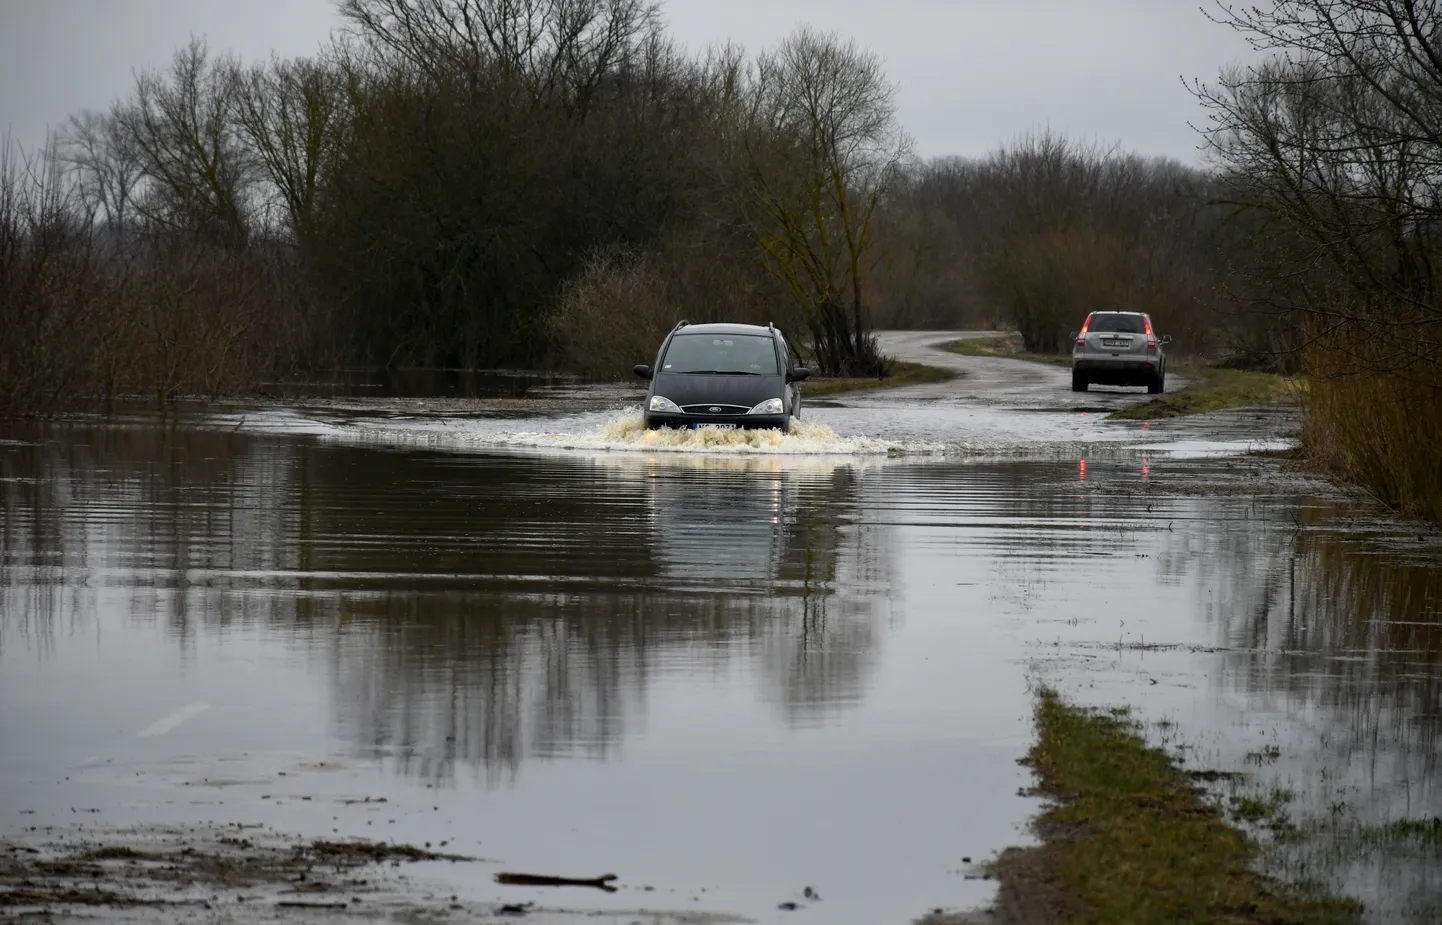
x,y
999,382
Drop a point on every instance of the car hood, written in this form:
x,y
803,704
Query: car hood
x,y
695,389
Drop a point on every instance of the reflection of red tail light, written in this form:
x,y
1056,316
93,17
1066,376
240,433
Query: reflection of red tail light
x,y
1146,468
1083,469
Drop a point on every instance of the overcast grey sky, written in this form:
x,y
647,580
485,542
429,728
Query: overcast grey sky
x,y
972,73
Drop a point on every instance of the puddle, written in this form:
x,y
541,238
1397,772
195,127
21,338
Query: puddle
x,y
724,669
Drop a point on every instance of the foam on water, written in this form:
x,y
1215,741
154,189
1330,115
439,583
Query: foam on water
x,y
626,432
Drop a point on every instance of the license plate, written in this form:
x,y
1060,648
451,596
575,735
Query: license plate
x,y
1114,342
717,426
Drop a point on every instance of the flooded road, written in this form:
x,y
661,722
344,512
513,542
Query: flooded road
x,y
513,627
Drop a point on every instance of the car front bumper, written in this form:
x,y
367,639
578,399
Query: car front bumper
x,y
658,419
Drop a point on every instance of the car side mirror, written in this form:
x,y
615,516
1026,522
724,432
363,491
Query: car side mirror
x,y
797,373
1165,339
642,370
1073,336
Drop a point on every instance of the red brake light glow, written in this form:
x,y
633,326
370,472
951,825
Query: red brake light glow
x,y
1151,337
1081,338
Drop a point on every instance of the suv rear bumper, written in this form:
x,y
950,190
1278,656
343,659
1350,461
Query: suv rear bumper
x,y
658,419
1115,372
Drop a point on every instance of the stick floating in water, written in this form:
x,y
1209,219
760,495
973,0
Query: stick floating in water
x,y
602,882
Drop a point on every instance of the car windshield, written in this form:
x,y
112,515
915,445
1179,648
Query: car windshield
x,y
744,354
1120,324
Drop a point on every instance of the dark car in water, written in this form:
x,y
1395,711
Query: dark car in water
x,y
1119,348
727,375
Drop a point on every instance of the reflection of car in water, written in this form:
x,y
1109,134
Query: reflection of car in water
x,y
711,525
1118,348
731,375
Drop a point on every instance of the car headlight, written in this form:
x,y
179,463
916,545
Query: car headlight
x,y
661,403
769,406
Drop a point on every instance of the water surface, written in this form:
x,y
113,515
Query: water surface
x,y
727,676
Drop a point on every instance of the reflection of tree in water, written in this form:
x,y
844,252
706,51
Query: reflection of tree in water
x,y
1349,627
437,681
1341,629
473,610
482,679
709,565
143,508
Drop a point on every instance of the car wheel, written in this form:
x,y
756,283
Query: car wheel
x,y
1078,382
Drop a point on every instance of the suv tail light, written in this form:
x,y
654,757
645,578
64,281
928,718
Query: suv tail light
x,y
1151,335
1081,338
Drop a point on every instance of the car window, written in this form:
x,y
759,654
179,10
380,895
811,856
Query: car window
x,y
721,353
1119,324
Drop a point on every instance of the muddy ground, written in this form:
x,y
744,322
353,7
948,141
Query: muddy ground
x,y
239,873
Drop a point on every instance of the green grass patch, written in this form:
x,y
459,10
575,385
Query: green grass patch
x,y
1418,831
1007,346
1268,809
1131,839
1219,390
902,373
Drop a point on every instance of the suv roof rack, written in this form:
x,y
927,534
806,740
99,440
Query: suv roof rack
x,y
680,324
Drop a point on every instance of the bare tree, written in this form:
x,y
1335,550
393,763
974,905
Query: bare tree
x,y
552,49
107,166
819,147
291,115
46,276
182,126
1337,139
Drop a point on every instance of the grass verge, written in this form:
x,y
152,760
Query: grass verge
x,y
1130,839
901,374
1007,346
1219,390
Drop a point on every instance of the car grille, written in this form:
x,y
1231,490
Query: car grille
x,y
715,409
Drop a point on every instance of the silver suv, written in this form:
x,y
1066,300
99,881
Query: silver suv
x,y
1119,348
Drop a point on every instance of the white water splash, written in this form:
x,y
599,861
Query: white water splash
x,y
626,432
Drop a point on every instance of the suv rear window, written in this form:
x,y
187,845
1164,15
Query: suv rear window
x,y
747,354
1118,324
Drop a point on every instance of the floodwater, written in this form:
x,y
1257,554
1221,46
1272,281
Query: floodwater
x,y
725,669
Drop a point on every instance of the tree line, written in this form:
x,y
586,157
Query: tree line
x,y
483,183
450,183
